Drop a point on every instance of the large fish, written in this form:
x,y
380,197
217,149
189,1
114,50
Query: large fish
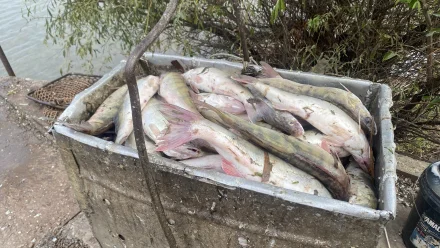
x,y
213,80
147,87
361,187
102,119
307,157
341,129
282,120
345,100
154,123
175,91
317,138
245,159
210,162
222,102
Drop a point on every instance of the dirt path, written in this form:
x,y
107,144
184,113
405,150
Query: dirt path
x,y
35,195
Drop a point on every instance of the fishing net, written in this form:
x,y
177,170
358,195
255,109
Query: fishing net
x,y
51,114
60,93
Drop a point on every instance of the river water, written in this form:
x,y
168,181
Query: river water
x,y
22,41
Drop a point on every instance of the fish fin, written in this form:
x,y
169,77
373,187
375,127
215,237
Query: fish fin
x,y
179,130
244,79
267,71
252,113
229,169
325,146
262,107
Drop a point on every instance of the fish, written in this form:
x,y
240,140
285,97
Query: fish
x,y
213,80
361,187
306,157
264,124
210,162
341,129
317,138
175,91
102,119
225,103
242,159
153,123
149,145
343,99
282,120
147,87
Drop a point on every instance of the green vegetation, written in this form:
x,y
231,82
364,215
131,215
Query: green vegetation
x,y
392,42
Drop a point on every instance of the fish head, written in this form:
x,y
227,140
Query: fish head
x,y
370,124
362,154
367,164
296,129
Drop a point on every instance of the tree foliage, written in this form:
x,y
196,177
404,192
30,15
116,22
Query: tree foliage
x,y
386,41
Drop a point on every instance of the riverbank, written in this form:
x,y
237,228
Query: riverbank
x,y
35,194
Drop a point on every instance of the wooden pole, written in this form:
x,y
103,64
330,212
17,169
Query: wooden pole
x,y
6,63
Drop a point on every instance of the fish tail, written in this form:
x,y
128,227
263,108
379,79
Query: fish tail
x,y
280,119
230,169
261,108
84,127
267,71
179,130
252,112
244,79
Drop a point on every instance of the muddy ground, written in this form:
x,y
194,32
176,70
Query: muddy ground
x,y
35,194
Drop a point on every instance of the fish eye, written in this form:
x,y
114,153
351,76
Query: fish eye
x,y
195,150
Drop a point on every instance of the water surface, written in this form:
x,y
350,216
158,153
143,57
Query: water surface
x,y
22,41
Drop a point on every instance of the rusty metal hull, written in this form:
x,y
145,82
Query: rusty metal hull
x,y
211,209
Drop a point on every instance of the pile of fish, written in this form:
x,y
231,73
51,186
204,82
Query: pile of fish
x,y
266,129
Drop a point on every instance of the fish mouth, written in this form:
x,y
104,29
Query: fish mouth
x,y
191,152
366,164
